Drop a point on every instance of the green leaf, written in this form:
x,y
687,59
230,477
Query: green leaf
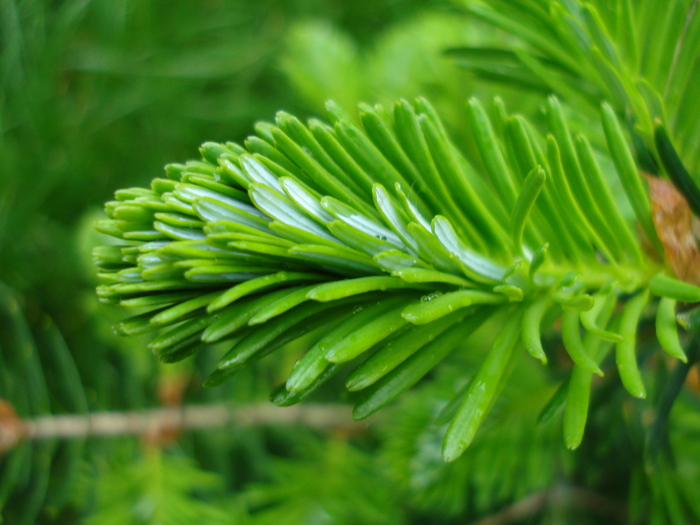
x,y
588,318
397,350
408,373
604,199
572,342
491,154
664,286
281,209
475,267
235,316
423,275
625,356
348,287
277,332
174,313
579,387
435,306
362,339
533,184
530,330
259,283
313,364
631,180
667,329
481,392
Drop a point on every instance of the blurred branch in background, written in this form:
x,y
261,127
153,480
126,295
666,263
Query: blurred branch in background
x,y
157,424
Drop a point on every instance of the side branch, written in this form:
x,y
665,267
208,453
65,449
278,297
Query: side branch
x,y
165,420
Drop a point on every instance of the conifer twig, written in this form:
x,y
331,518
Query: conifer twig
x,y
13,430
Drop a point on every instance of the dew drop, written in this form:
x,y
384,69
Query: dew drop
x,y
430,297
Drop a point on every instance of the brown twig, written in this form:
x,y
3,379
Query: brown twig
x,y
171,419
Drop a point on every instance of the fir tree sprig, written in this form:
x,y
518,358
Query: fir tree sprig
x,y
383,240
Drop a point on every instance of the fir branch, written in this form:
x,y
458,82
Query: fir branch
x,y
384,235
